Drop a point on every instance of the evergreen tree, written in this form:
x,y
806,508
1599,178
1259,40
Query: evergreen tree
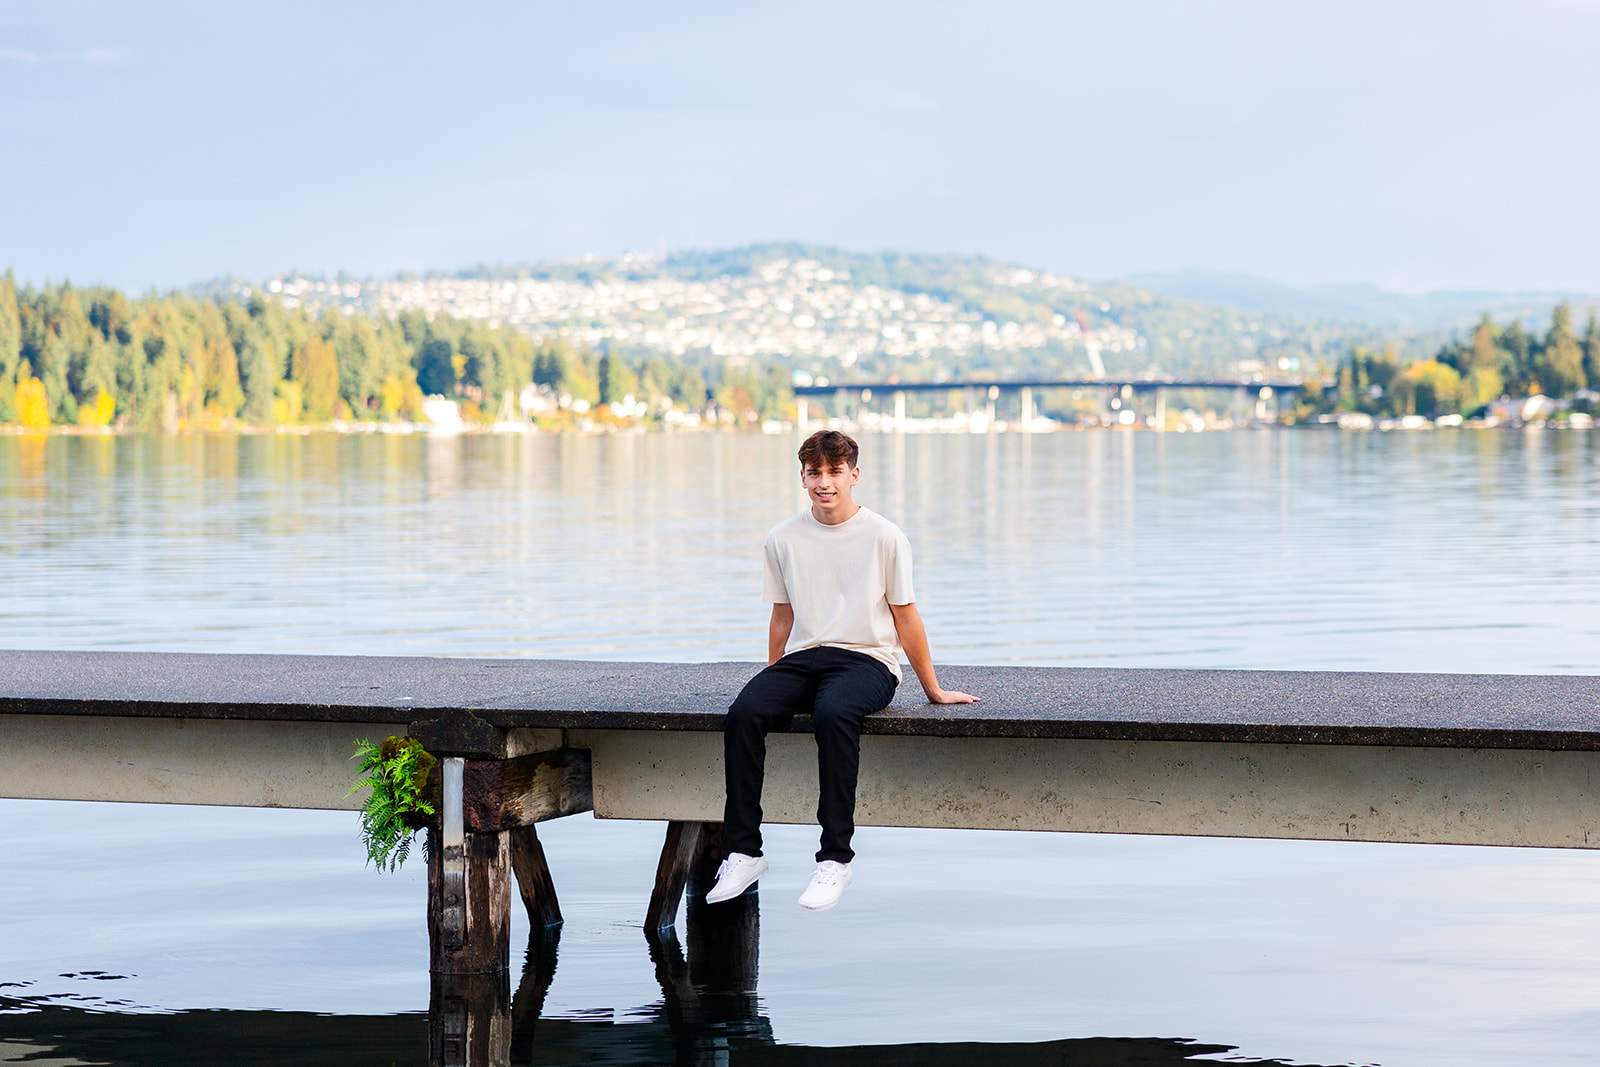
x,y
1516,357
224,395
614,380
436,372
1483,382
360,358
1562,363
1591,350
10,347
258,369
316,371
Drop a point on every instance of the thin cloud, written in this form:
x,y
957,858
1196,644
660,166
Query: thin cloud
x,y
906,100
19,55
902,99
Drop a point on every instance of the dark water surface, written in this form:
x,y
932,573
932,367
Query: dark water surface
x,y
146,934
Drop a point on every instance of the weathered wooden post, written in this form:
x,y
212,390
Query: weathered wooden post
x,y
724,939
469,934
724,943
488,805
469,888
672,874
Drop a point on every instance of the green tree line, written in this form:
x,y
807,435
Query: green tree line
x,y
1466,375
96,357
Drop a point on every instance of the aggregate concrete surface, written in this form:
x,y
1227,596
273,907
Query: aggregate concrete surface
x,y
1292,707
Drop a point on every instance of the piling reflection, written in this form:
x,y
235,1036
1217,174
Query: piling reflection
x,y
538,971
469,1020
689,1027
708,1015
709,996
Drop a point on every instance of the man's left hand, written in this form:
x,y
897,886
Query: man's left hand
x,y
952,696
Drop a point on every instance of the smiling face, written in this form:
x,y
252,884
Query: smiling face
x,y
829,485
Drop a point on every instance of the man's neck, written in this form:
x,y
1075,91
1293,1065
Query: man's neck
x,y
836,520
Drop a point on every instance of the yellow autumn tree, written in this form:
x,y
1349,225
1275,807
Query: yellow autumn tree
x,y
33,406
287,403
399,396
1436,387
99,411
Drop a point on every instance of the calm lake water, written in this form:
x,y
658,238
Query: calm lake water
x,y
147,934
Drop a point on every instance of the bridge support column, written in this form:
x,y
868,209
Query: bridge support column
x,y
900,412
801,413
1161,408
1025,409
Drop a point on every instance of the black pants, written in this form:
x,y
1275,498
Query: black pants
x,y
838,688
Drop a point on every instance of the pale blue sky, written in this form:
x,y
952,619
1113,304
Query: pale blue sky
x,y
1417,145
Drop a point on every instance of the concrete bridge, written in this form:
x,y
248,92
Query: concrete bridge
x,y
1447,759
1114,393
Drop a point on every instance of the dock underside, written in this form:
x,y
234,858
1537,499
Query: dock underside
x,y
1326,792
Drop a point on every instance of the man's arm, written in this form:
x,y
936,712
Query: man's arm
x,y
778,631
914,639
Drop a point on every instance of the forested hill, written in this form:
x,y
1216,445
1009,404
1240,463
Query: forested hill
x,y
719,337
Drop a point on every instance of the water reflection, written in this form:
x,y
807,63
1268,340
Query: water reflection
x,y
708,1014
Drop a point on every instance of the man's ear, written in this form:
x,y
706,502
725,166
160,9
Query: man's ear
x,y
855,475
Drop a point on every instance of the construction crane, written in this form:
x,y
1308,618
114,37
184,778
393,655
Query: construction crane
x,y
1091,344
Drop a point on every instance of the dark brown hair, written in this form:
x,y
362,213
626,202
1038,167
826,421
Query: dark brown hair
x,y
828,447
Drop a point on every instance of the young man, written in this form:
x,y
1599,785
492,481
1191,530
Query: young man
x,y
839,580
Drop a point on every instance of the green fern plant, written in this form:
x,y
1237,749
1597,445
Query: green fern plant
x,y
396,770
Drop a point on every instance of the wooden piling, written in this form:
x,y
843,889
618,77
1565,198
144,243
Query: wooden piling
x,y
469,920
724,939
690,857
484,833
533,878
469,917
709,852
672,874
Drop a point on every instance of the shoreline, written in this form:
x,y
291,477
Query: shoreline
x,y
408,429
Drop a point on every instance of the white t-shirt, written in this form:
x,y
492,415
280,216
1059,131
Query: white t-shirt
x,y
840,580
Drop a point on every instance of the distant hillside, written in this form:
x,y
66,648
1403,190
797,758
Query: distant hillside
x,y
830,312
1034,314
1359,303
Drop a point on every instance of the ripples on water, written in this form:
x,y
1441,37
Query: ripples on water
x,y
1440,551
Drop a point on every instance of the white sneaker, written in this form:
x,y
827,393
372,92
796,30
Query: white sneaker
x,y
827,886
737,873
